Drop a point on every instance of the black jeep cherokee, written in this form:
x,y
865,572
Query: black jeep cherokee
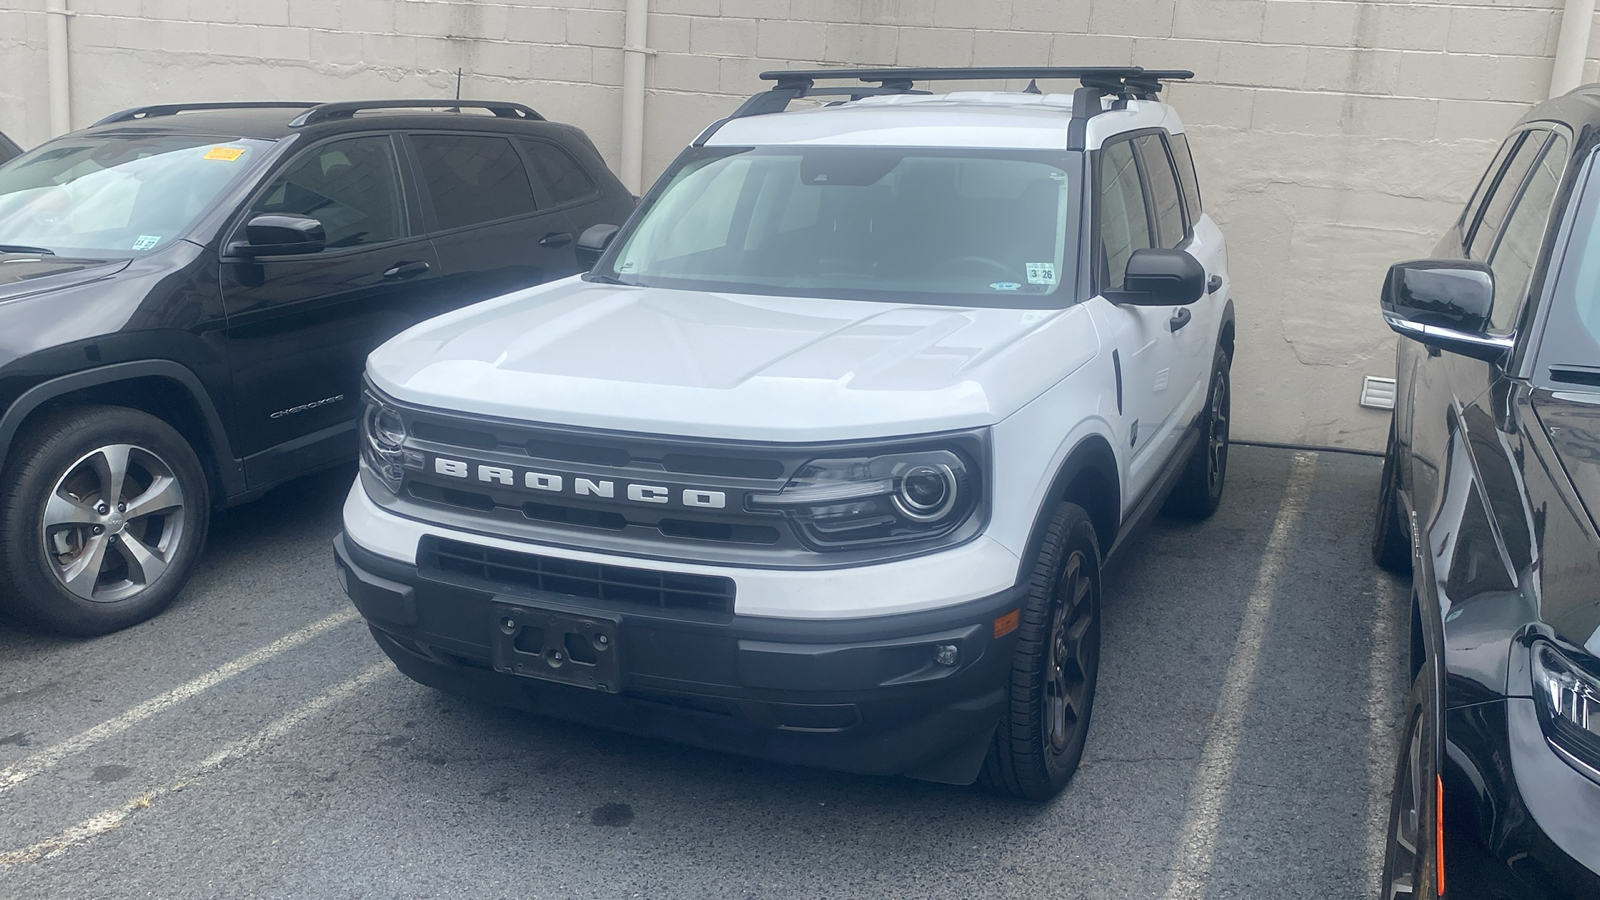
x,y
188,293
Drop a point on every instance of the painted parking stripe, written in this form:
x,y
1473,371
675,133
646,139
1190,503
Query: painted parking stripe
x,y
106,820
1197,838
52,756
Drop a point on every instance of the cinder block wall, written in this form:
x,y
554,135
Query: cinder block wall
x,y
1333,137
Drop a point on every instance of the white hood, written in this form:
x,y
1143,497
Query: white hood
x,y
732,366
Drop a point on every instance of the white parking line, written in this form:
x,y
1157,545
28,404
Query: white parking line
x,y
106,820
1197,838
1383,714
51,756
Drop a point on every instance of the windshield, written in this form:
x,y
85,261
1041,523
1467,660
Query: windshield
x,y
961,227
113,195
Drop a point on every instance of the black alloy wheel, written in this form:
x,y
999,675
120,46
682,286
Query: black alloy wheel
x,y
1198,492
1410,859
101,520
1039,742
1391,539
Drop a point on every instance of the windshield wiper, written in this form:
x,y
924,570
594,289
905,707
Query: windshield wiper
x,y
607,279
23,248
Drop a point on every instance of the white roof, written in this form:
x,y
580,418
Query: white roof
x,y
1004,120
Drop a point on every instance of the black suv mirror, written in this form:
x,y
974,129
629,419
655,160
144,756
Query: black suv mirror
x,y
1445,304
1161,278
272,234
593,242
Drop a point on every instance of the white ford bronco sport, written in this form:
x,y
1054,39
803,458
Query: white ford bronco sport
x,y
822,460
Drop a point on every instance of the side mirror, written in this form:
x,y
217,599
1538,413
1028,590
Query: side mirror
x,y
274,234
592,243
1445,304
1161,278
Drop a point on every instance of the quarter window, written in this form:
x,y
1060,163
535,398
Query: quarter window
x,y
562,176
1514,256
1124,222
351,186
473,178
1165,198
1186,176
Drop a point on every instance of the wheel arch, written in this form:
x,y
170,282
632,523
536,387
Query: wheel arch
x,y
1088,477
161,388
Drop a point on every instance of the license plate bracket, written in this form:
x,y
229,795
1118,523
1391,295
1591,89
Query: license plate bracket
x,y
550,644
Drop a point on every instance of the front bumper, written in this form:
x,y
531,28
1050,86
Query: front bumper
x,y
859,694
1520,822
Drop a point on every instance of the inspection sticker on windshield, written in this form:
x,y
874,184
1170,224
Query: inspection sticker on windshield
x,y
1041,273
1005,286
226,154
146,241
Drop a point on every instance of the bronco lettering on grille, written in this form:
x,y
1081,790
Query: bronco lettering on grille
x,y
576,486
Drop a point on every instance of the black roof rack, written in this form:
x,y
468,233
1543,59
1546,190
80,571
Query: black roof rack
x,y
171,109
324,112
1123,82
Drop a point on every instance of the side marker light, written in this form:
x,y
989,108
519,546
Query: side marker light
x,y
1438,828
1007,623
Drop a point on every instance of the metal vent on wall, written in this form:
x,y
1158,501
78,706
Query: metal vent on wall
x,y
1377,393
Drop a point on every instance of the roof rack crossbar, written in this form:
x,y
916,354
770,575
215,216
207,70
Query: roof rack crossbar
x,y
171,109
346,109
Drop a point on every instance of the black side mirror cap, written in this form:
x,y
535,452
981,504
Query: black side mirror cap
x,y
1157,277
592,244
1445,304
273,234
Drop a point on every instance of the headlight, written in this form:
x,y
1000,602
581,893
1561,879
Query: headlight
x,y
383,436
894,498
1569,703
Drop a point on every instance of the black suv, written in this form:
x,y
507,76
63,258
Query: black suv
x,y
1490,497
188,293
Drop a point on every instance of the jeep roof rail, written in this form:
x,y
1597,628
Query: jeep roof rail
x,y
1123,82
171,109
325,112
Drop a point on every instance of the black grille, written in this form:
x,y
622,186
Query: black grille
x,y
519,573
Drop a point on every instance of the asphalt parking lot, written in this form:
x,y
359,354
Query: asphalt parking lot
x,y
253,742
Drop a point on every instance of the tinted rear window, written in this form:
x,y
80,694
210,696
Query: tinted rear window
x,y
473,178
1186,176
561,174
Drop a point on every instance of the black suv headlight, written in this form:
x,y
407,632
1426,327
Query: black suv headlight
x,y
1568,699
869,500
383,437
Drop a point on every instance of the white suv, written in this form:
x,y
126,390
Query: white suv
x,y
822,461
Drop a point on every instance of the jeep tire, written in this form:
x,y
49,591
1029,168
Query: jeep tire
x,y
103,512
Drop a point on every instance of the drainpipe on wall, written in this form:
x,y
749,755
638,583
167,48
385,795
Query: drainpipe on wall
x,y
55,53
635,51
1572,46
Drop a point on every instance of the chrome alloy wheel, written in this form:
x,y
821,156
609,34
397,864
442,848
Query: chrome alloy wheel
x,y
1067,674
113,523
1217,434
1405,827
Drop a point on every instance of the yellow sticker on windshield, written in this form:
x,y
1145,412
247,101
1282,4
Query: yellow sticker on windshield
x,y
226,154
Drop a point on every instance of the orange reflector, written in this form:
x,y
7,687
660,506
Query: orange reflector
x,y
1007,623
1438,828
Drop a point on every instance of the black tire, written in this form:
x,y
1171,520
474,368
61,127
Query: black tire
x,y
1391,539
1411,852
70,564
1039,742
1199,489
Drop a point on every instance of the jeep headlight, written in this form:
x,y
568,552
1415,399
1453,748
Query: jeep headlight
x,y
1569,703
893,498
383,437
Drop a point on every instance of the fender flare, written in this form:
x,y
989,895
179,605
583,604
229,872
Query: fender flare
x,y
230,471
1092,452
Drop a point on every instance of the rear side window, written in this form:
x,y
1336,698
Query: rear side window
x,y
1166,202
562,176
1186,176
473,178
1502,194
351,186
1514,256
1470,214
1124,222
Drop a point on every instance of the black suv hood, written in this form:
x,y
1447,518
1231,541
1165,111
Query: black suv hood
x,y
23,275
1572,420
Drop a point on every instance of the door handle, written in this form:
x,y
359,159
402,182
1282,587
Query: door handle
x,y
1214,285
406,269
1179,319
556,239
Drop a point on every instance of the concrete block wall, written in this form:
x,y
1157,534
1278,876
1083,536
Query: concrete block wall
x,y
1333,136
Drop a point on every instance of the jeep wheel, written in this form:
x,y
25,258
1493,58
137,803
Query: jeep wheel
x,y
102,517
1410,857
1391,544
1199,489
1039,742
